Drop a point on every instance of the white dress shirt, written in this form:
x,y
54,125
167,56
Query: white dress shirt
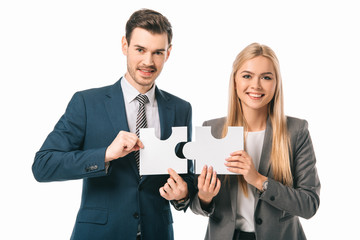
x,y
246,205
132,107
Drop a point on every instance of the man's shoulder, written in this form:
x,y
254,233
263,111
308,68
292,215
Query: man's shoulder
x,y
98,90
171,97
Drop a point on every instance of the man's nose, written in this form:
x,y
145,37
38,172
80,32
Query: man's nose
x,y
148,59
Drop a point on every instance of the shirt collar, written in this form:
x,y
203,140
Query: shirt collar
x,y
130,92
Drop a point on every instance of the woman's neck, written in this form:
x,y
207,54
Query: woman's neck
x,y
256,119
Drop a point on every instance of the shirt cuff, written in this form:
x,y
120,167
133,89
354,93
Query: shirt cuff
x,y
181,204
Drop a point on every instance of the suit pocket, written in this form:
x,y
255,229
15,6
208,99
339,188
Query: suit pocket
x,y
167,217
93,215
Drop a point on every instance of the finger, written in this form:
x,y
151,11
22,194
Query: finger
x,y
240,152
235,170
175,176
163,193
139,143
235,158
167,189
217,188
201,178
235,164
171,183
213,181
128,143
208,177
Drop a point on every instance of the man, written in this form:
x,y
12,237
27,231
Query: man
x,y
96,140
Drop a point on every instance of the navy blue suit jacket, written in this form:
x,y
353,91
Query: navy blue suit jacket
x,y
113,202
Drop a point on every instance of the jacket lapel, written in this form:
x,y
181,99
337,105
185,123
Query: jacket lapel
x,y
234,185
166,116
265,166
115,108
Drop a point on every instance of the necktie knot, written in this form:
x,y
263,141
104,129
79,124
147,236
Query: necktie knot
x,y
143,99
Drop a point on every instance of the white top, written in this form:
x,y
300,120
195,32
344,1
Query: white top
x,y
132,107
246,205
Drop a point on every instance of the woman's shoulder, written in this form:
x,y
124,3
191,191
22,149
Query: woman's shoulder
x,y
296,125
216,125
294,122
216,122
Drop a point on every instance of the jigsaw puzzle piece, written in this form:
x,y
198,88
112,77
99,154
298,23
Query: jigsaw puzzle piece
x,y
210,151
159,155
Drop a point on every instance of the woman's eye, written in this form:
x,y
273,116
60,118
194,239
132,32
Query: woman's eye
x,y
247,76
267,78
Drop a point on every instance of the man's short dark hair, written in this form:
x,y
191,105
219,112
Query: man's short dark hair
x,y
149,20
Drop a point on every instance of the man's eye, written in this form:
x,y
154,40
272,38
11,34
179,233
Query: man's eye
x,y
159,53
140,50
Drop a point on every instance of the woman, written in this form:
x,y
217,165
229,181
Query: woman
x,y
278,180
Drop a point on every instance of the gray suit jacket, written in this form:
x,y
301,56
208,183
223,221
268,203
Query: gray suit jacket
x,y
278,208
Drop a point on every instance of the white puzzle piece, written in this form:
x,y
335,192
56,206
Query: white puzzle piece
x,y
210,151
159,155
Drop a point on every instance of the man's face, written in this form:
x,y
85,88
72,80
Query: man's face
x,y
146,55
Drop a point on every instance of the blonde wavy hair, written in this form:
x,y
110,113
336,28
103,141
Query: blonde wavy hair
x,y
280,155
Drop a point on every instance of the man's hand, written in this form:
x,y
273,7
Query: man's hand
x,y
123,144
175,188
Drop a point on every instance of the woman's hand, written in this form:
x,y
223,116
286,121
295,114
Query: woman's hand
x,y
208,185
240,162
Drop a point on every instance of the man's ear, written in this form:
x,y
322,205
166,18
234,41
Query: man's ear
x,y
124,45
168,52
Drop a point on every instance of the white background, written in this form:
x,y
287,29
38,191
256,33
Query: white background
x,y
50,49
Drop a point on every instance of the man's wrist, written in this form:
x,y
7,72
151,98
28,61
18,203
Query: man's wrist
x,y
183,199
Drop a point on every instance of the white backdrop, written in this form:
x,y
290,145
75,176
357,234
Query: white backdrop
x,y
50,49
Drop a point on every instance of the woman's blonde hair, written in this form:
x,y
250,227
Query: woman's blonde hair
x,y
280,159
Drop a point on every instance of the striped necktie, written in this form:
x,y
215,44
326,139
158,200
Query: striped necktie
x,y
140,122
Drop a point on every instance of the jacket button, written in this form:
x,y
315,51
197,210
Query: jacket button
x,y
136,215
272,198
259,221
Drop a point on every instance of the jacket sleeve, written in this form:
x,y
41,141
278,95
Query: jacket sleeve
x,y
198,209
61,156
303,198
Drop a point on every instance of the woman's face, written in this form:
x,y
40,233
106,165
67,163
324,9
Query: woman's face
x,y
255,84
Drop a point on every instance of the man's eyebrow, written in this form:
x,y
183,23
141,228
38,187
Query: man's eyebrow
x,y
138,46
156,50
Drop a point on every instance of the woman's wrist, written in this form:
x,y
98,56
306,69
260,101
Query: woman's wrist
x,y
204,201
260,182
